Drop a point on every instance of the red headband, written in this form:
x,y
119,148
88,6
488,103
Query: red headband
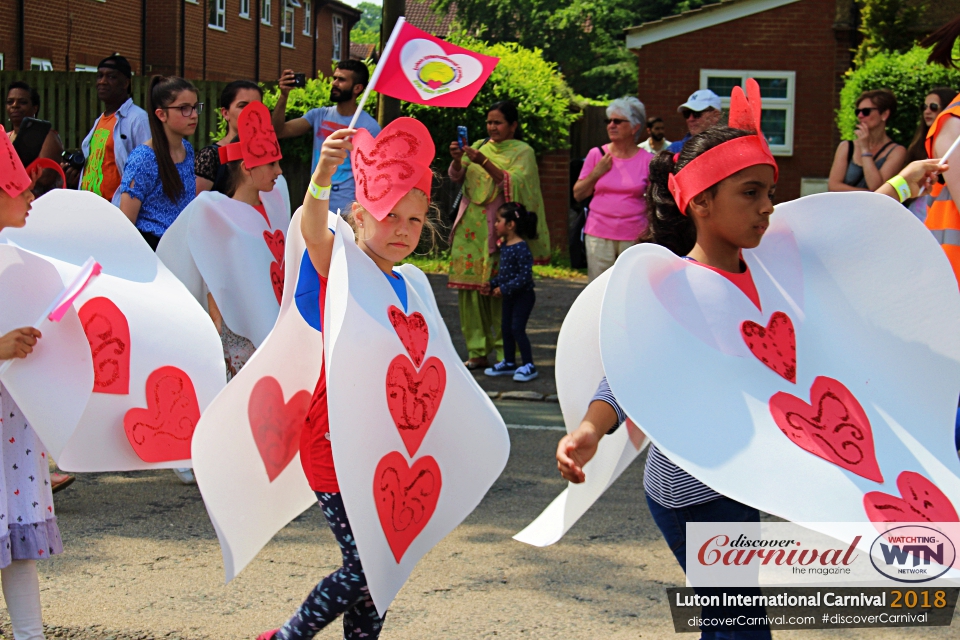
x,y
389,166
727,158
258,142
13,177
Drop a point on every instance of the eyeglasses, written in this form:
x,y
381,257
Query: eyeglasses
x,y
616,121
187,110
687,114
866,111
933,106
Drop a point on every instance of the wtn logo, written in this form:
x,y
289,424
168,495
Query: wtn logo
x,y
913,553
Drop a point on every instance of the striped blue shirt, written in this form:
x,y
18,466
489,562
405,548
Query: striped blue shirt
x,y
665,483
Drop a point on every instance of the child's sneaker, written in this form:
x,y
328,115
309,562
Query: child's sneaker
x,y
502,368
526,373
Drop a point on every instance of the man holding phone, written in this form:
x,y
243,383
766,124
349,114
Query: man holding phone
x,y
121,128
350,78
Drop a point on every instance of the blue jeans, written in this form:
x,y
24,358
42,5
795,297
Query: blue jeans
x,y
513,325
673,526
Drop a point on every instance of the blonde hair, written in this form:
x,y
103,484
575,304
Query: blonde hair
x,y
431,221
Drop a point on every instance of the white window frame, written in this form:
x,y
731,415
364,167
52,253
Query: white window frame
x,y
1,62
337,37
221,15
266,12
288,25
245,9
85,68
308,18
40,64
785,104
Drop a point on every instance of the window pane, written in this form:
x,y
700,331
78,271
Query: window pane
x,y
773,87
721,86
774,125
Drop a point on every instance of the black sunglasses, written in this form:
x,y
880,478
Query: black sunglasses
x,y
686,113
933,106
866,111
616,121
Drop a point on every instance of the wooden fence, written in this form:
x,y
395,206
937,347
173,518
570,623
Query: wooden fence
x,y
69,101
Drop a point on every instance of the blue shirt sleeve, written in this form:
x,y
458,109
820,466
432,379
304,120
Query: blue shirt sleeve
x,y
140,173
604,394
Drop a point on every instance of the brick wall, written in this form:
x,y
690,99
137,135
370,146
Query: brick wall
x,y
554,167
796,37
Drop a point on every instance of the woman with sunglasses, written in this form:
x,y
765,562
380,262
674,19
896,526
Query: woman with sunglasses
x,y
158,179
871,158
616,176
935,102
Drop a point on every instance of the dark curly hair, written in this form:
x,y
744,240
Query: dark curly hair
x,y
667,225
526,221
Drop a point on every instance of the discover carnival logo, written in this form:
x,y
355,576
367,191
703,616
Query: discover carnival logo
x,y
742,551
912,553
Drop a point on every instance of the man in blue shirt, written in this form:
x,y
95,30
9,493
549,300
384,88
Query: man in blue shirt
x,y
350,78
702,110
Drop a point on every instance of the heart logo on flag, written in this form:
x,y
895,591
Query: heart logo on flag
x,y
163,430
276,425
433,73
406,498
108,333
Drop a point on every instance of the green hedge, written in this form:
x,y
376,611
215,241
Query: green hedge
x,y
909,77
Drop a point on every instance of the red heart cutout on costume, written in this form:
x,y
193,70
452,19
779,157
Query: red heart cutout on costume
x,y
833,426
406,498
413,332
922,502
276,425
276,279
413,397
774,345
163,430
108,333
276,243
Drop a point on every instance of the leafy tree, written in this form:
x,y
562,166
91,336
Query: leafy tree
x,y
367,30
888,25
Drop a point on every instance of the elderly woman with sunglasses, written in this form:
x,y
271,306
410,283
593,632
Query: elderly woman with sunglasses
x,y
616,176
871,158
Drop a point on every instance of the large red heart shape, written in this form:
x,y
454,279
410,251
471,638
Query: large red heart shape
x,y
163,430
922,501
833,426
276,279
276,243
108,333
406,498
774,345
413,332
413,397
276,425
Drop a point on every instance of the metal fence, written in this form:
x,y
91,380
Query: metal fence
x,y
69,101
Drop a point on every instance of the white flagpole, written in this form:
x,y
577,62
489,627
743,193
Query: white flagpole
x,y
376,72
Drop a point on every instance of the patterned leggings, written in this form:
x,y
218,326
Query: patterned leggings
x,y
342,592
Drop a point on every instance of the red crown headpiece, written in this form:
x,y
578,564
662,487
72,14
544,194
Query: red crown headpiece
x,y
387,167
258,143
728,158
13,177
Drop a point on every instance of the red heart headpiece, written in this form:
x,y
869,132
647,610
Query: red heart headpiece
x,y
728,158
13,177
387,167
258,143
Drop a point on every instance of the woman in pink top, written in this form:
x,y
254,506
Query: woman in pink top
x,y
616,176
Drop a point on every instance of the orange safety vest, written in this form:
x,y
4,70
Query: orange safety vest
x,y
943,218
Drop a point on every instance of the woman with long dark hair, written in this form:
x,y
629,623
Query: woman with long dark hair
x,y
158,180
211,174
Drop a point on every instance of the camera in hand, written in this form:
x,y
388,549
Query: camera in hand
x,y
299,79
74,158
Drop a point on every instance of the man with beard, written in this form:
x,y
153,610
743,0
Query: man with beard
x,y
350,78
701,111
656,142
121,128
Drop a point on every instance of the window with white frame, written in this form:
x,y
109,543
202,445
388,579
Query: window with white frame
x,y
245,9
1,62
85,68
778,90
287,26
40,64
266,11
218,14
337,36
308,18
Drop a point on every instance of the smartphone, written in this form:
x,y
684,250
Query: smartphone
x,y
30,140
299,79
462,136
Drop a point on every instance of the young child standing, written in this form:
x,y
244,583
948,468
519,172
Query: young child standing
x,y
514,282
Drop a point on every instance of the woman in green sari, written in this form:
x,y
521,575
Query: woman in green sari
x,y
494,171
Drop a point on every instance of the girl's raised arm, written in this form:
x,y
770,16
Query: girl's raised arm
x,y
313,222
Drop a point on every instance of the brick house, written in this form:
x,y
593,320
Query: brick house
x,y
198,39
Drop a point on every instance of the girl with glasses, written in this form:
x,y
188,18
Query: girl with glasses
x,y
935,102
871,158
158,179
